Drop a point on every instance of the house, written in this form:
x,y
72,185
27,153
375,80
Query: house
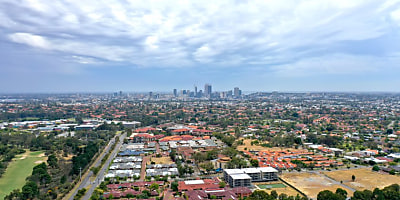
x,y
220,193
198,184
141,138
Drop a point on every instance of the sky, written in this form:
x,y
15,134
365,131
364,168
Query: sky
x,y
157,45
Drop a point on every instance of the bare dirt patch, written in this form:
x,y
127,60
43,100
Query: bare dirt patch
x,y
161,160
365,178
41,155
69,157
247,145
311,184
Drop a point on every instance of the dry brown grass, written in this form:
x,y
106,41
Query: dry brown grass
x,y
365,178
161,160
311,184
247,144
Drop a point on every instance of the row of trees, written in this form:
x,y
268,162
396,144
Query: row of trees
x,y
391,192
80,161
262,195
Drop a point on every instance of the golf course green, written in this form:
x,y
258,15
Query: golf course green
x,y
17,171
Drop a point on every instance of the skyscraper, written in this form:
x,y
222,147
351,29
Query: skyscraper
x,y
195,91
236,92
207,90
175,93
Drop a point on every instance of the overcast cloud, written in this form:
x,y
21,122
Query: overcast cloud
x,y
226,43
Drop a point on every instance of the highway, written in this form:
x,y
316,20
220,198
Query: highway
x,y
100,175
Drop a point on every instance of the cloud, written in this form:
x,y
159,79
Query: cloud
x,y
31,40
337,64
107,52
284,36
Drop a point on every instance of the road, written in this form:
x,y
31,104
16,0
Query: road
x,y
143,169
335,182
86,177
319,172
101,173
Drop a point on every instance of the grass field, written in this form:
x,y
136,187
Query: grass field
x,y
270,186
18,170
311,184
365,178
279,187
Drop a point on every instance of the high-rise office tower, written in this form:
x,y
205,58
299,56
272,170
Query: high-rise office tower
x,y
175,93
195,91
207,90
236,92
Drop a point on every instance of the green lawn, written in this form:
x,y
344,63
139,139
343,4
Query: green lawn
x,y
17,171
269,186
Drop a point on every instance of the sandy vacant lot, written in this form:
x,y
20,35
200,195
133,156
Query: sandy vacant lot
x,y
247,144
161,160
287,190
311,184
365,178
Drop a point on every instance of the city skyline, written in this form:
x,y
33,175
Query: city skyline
x,y
139,46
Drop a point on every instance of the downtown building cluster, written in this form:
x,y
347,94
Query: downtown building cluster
x,y
208,93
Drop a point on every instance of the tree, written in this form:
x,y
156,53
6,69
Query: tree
x,y
362,195
52,161
15,194
341,192
260,195
154,186
353,178
254,163
208,166
30,190
174,186
199,157
95,170
173,154
222,184
274,194
63,179
282,196
328,195
375,168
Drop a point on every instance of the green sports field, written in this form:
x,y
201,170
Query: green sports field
x,y
270,186
17,171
